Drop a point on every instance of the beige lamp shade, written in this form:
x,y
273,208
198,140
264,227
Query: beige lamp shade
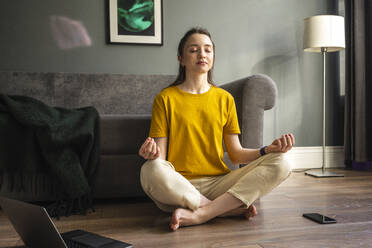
x,y
327,31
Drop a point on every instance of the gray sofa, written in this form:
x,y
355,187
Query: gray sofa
x,y
124,103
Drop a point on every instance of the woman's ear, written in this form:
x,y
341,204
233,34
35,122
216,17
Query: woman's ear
x,y
180,60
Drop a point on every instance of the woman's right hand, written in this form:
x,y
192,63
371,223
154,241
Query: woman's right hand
x,y
149,149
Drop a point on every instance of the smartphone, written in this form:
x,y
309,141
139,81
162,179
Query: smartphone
x,y
321,219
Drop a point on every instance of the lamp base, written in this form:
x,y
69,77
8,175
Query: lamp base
x,y
322,173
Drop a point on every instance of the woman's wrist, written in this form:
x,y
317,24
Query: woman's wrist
x,y
263,150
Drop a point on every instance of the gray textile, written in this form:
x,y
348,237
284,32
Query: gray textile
x,y
358,102
124,103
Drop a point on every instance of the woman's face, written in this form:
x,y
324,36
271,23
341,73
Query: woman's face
x,y
197,54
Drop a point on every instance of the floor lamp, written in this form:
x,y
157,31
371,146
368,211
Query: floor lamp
x,y
322,34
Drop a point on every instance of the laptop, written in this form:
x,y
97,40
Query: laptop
x,y
37,230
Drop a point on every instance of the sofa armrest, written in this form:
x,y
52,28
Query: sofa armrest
x,y
253,95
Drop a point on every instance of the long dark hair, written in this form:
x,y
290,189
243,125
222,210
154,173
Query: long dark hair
x,y
181,77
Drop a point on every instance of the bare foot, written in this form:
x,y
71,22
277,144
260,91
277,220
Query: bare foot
x,y
183,217
248,213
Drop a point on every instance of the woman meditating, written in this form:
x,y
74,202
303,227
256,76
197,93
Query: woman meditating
x,y
185,172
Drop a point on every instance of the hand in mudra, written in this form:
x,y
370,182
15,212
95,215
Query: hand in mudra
x,y
282,144
149,149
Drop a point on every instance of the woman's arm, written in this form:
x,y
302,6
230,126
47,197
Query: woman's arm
x,y
240,155
162,143
154,148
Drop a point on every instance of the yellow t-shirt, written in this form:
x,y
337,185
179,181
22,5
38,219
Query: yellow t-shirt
x,y
194,125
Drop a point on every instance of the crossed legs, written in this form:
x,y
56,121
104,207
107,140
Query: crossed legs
x,y
233,194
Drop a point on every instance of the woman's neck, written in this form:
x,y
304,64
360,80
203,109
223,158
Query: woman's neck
x,y
195,84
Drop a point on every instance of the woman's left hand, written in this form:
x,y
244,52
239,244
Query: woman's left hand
x,y
282,144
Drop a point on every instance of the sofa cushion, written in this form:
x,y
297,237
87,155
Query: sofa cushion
x,y
123,134
119,176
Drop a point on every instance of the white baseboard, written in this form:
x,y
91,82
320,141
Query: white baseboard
x,y
310,157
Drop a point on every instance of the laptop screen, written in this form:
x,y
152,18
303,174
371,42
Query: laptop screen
x,y
32,223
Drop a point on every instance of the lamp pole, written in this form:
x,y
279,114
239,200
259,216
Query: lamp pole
x,y
324,50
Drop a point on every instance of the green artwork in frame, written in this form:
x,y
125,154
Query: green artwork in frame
x,y
136,21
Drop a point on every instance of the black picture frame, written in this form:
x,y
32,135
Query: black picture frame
x,y
136,22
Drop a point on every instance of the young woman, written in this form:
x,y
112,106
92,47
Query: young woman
x,y
184,172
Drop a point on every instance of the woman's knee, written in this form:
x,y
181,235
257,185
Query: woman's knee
x,y
153,172
283,165
164,185
150,167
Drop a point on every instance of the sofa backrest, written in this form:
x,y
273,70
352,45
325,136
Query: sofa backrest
x,y
110,94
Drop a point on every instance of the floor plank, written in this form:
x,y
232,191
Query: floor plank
x,y
278,224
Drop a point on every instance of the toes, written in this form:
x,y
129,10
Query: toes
x,y
253,210
174,224
174,227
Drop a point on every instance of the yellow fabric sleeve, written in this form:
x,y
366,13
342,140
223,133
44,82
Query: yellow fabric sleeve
x,y
159,123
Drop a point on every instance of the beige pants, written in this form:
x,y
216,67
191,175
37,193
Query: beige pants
x,y
170,190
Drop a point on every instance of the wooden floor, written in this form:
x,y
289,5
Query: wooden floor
x,y
279,223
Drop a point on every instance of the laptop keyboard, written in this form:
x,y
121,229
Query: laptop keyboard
x,y
73,244
83,239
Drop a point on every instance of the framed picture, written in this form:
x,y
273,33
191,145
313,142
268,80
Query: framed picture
x,y
136,21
